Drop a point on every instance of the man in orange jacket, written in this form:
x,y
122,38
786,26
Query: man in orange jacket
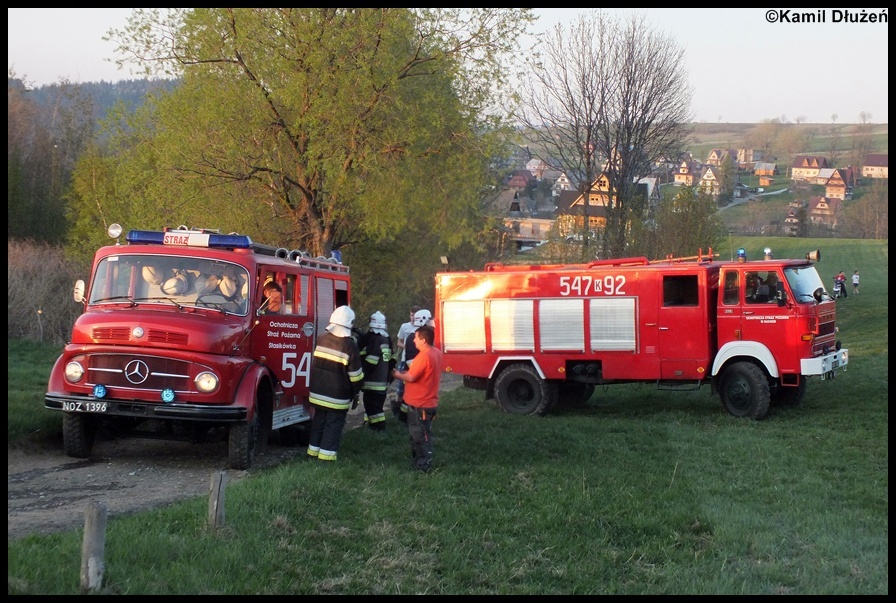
x,y
421,396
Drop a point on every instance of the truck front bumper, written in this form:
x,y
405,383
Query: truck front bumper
x,y
145,410
822,365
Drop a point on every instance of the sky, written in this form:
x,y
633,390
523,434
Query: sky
x,y
745,65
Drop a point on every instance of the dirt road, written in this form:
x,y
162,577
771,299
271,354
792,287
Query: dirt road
x,y
49,491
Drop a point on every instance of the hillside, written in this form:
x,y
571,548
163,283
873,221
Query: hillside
x,y
705,137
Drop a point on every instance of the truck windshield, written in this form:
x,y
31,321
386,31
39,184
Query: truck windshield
x,y
182,281
804,281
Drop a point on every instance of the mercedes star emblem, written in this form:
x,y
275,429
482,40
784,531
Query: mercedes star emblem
x,y
136,371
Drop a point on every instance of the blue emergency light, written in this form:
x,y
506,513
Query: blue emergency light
x,y
189,238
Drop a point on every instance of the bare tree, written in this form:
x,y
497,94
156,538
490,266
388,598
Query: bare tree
x,y
868,217
764,135
835,147
792,139
608,97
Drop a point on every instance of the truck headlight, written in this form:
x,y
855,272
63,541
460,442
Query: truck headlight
x,y
74,372
206,382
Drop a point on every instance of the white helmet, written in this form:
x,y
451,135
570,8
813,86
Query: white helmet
x,y
377,320
343,316
153,275
178,284
422,317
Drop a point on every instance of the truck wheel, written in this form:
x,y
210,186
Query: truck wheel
x,y
789,396
520,391
574,393
745,391
241,443
78,434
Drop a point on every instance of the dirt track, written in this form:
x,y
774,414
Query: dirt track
x,y
48,491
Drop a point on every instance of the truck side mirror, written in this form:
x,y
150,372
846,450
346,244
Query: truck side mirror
x,y
78,292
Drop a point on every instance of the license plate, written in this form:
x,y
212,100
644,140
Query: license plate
x,y
835,364
84,406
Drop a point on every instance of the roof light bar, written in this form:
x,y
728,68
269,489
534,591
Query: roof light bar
x,y
189,238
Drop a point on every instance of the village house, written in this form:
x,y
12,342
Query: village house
x,y
520,179
711,181
793,221
573,213
716,157
825,212
562,183
688,171
764,168
876,166
747,158
837,185
806,167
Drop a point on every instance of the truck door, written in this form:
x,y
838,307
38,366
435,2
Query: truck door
x,y
762,320
683,329
286,339
749,310
731,307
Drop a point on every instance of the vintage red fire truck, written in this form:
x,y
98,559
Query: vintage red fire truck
x,y
176,341
532,334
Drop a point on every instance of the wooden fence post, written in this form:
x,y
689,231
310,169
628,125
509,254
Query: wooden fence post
x,y
216,499
93,548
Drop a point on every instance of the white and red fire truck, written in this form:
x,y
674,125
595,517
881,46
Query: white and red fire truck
x,y
532,334
176,341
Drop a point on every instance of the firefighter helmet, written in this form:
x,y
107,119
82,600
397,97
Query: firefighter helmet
x,y
153,275
343,316
228,285
422,317
378,320
178,284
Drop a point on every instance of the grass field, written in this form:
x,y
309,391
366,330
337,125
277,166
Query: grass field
x,y
638,492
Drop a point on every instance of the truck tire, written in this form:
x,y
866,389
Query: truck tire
x,y
241,443
520,391
78,434
574,393
789,396
744,391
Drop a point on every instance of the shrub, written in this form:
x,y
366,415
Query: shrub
x,y
39,287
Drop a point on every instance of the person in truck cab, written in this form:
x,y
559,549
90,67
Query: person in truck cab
x,y
273,298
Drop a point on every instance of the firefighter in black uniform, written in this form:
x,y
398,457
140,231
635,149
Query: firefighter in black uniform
x,y
376,355
336,379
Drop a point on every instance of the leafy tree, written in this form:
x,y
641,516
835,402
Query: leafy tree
x,y
727,180
320,128
686,220
371,132
608,96
43,142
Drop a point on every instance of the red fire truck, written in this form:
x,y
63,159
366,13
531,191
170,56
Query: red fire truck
x,y
530,335
176,341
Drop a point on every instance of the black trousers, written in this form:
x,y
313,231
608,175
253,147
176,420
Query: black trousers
x,y
420,433
326,432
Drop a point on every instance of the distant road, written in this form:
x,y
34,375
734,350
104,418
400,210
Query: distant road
x,y
752,196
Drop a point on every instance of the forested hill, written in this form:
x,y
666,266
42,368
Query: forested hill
x,y
104,95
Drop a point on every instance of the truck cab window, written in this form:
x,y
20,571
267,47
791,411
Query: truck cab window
x,y
732,289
